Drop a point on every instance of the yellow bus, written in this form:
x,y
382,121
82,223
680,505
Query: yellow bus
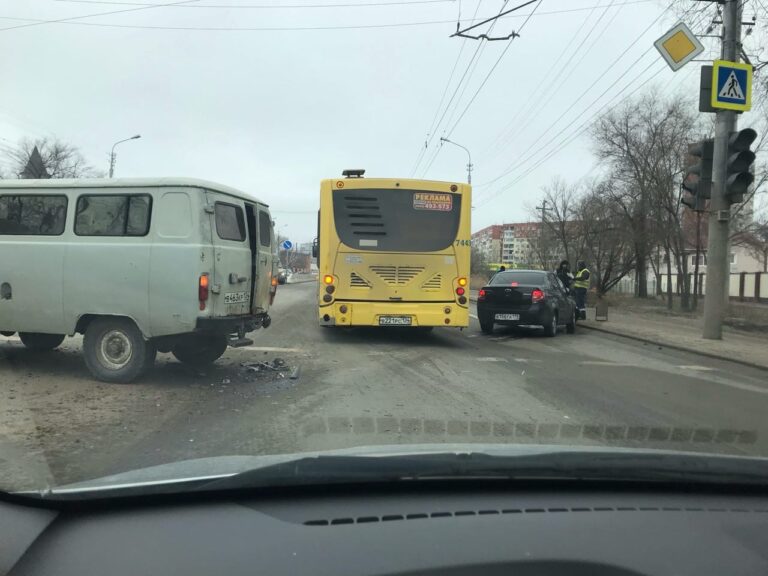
x,y
393,252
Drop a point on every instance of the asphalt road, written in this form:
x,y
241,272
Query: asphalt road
x,y
359,387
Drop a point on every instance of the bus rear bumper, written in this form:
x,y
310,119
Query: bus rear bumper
x,y
341,313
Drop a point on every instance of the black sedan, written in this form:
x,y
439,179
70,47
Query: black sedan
x,y
526,298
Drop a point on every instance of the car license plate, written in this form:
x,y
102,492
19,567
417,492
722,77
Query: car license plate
x,y
395,320
507,317
235,297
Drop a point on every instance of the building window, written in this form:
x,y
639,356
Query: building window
x,y
733,258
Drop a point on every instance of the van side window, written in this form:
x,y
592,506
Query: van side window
x,y
230,222
33,215
113,215
265,228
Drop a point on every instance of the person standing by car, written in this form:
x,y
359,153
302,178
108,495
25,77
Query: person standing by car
x,y
580,286
564,274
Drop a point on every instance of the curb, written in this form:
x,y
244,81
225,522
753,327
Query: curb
x,y
670,346
675,347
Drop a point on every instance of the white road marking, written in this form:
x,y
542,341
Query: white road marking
x,y
697,368
10,339
473,316
268,349
607,363
491,359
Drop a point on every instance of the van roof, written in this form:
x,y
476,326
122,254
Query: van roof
x,y
125,183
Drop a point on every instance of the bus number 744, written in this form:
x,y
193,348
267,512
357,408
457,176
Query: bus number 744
x,y
462,243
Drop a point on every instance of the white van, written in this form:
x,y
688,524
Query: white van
x,y
137,266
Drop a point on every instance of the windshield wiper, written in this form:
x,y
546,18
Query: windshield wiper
x,y
610,466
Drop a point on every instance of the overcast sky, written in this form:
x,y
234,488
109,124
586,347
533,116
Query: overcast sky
x,y
272,111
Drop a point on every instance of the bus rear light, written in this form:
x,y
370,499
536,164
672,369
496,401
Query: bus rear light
x,y
481,295
462,299
274,281
327,298
202,290
462,281
447,320
330,289
460,291
343,308
447,309
537,295
328,279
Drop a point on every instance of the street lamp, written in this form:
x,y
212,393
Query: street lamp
x,y
112,156
469,156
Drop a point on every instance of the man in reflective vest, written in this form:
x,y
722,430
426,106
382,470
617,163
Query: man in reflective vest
x,y
580,287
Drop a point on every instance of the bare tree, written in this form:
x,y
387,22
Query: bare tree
x,y
61,160
559,237
607,243
644,144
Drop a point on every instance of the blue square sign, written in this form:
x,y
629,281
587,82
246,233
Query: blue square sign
x,y
731,85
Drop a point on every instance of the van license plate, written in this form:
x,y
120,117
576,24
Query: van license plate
x,y
395,320
235,297
507,317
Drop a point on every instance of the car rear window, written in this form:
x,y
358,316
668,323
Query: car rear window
x,y
36,215
524,278
230,222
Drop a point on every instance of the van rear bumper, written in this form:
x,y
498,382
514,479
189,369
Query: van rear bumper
x,y
231,324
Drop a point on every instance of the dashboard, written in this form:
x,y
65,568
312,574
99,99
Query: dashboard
x,y
387,532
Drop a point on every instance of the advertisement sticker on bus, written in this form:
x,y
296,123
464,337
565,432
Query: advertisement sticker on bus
x,y
432,201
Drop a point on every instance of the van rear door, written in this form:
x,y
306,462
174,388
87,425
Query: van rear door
x,y
232,282
262,247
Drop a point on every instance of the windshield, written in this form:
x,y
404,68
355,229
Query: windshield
x,y
234,233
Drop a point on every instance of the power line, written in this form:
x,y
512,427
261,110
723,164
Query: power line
x,y
514,166
442,98
535,106
265,6
72,21
35,22
490,72
470,69
580,130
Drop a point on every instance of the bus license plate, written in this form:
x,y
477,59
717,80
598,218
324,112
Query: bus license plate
x,y
395,320
235,297
507,317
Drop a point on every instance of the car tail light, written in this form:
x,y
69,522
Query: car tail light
x,y
481,295
202,290
537,295
514,284
460,291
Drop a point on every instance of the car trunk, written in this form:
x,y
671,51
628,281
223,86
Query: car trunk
x,y
509,297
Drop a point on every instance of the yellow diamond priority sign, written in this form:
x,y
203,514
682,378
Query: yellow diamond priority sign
x,y
679,46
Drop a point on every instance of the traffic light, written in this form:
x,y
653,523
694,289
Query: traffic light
x,y
698,175
740,159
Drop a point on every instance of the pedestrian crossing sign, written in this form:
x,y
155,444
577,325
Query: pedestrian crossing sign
x,y
731,85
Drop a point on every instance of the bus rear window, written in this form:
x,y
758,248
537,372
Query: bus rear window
x,y
396,220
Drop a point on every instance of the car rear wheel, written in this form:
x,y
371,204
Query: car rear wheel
x,y
115,350
486,325
570,328
550,329
39,341
200,349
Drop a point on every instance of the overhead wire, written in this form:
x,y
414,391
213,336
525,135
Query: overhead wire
x,y
536,104
267,6
579,130
574,102
442,97
490,72
468,73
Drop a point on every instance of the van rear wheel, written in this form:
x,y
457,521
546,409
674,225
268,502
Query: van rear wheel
x,y
115,350
200,349
39,341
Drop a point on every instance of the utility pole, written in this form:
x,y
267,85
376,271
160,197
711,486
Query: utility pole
x,y
718,262
543,244
113,156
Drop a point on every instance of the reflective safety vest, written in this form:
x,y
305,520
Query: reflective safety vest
x,y
582,279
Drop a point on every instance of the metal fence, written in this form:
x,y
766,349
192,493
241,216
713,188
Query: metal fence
x,y
742,286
